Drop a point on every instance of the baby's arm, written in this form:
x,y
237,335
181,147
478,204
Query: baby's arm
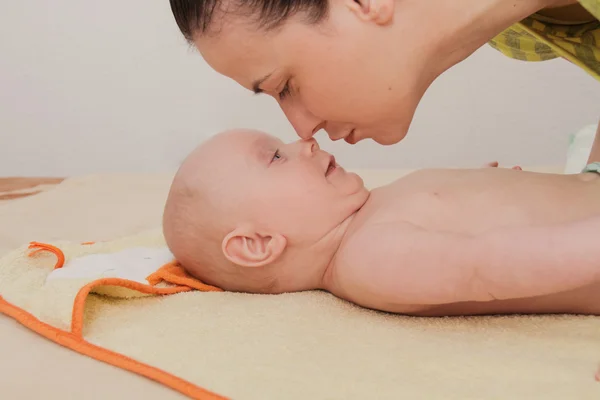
x,y
404,264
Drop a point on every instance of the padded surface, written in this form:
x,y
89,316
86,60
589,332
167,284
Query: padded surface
x,y
87,208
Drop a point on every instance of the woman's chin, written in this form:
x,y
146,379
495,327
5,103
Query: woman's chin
x,y
381,137
388,139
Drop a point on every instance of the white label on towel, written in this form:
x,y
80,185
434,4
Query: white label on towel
x,y
134,264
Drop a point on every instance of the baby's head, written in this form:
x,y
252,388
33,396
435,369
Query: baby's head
x,y
244,209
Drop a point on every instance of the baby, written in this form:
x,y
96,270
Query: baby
x,y
249,213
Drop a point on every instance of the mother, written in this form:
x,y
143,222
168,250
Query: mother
x,y
359,68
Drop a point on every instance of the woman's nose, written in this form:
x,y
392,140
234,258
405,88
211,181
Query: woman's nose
x,y
310,146
304,122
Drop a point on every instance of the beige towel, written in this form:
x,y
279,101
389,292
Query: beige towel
x,y
304,345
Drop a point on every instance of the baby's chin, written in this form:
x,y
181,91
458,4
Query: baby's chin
x,y
355,194
356,185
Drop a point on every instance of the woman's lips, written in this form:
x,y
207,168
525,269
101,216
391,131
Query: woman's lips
x,y
351,138
349,134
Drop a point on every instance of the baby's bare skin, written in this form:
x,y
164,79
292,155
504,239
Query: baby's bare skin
x,y
249,213
470,202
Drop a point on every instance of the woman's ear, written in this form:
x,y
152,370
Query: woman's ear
x,y
379,11
248,248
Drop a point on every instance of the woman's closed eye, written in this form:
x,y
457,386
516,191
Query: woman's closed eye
x,y
285,91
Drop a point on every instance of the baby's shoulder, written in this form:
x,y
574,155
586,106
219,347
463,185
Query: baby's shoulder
x,y
372,241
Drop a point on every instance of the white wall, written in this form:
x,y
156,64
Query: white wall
x,y
109,86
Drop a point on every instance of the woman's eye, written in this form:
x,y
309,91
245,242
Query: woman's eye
x,y
285,91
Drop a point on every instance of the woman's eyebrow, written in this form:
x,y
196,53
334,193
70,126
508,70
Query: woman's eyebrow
x,y
256,84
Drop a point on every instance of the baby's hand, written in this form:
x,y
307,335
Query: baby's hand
x,y
494,164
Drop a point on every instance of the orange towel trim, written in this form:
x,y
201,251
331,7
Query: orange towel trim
x,y
174,273
79,303
78,344
60,256
87,243
74,339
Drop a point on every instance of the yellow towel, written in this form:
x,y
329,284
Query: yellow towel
x,y
210,345
539,38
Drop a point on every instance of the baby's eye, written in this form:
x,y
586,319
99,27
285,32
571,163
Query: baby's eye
x,y
276,156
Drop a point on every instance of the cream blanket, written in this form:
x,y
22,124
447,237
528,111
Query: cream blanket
x,y
304,346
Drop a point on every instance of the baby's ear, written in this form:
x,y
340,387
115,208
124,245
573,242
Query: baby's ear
x,y
248,248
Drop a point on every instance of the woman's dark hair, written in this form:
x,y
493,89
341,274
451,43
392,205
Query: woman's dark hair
x,y
196,16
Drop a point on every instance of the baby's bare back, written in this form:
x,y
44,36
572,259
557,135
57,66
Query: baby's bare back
x,y
476,201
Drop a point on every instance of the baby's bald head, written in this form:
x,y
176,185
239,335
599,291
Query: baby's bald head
x,y
202,207
243,204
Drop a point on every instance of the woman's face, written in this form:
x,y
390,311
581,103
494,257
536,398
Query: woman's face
x,y
353,75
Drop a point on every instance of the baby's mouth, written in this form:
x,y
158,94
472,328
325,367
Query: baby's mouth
x,y
331,167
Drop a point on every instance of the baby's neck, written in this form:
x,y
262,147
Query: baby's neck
x,y
310,268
